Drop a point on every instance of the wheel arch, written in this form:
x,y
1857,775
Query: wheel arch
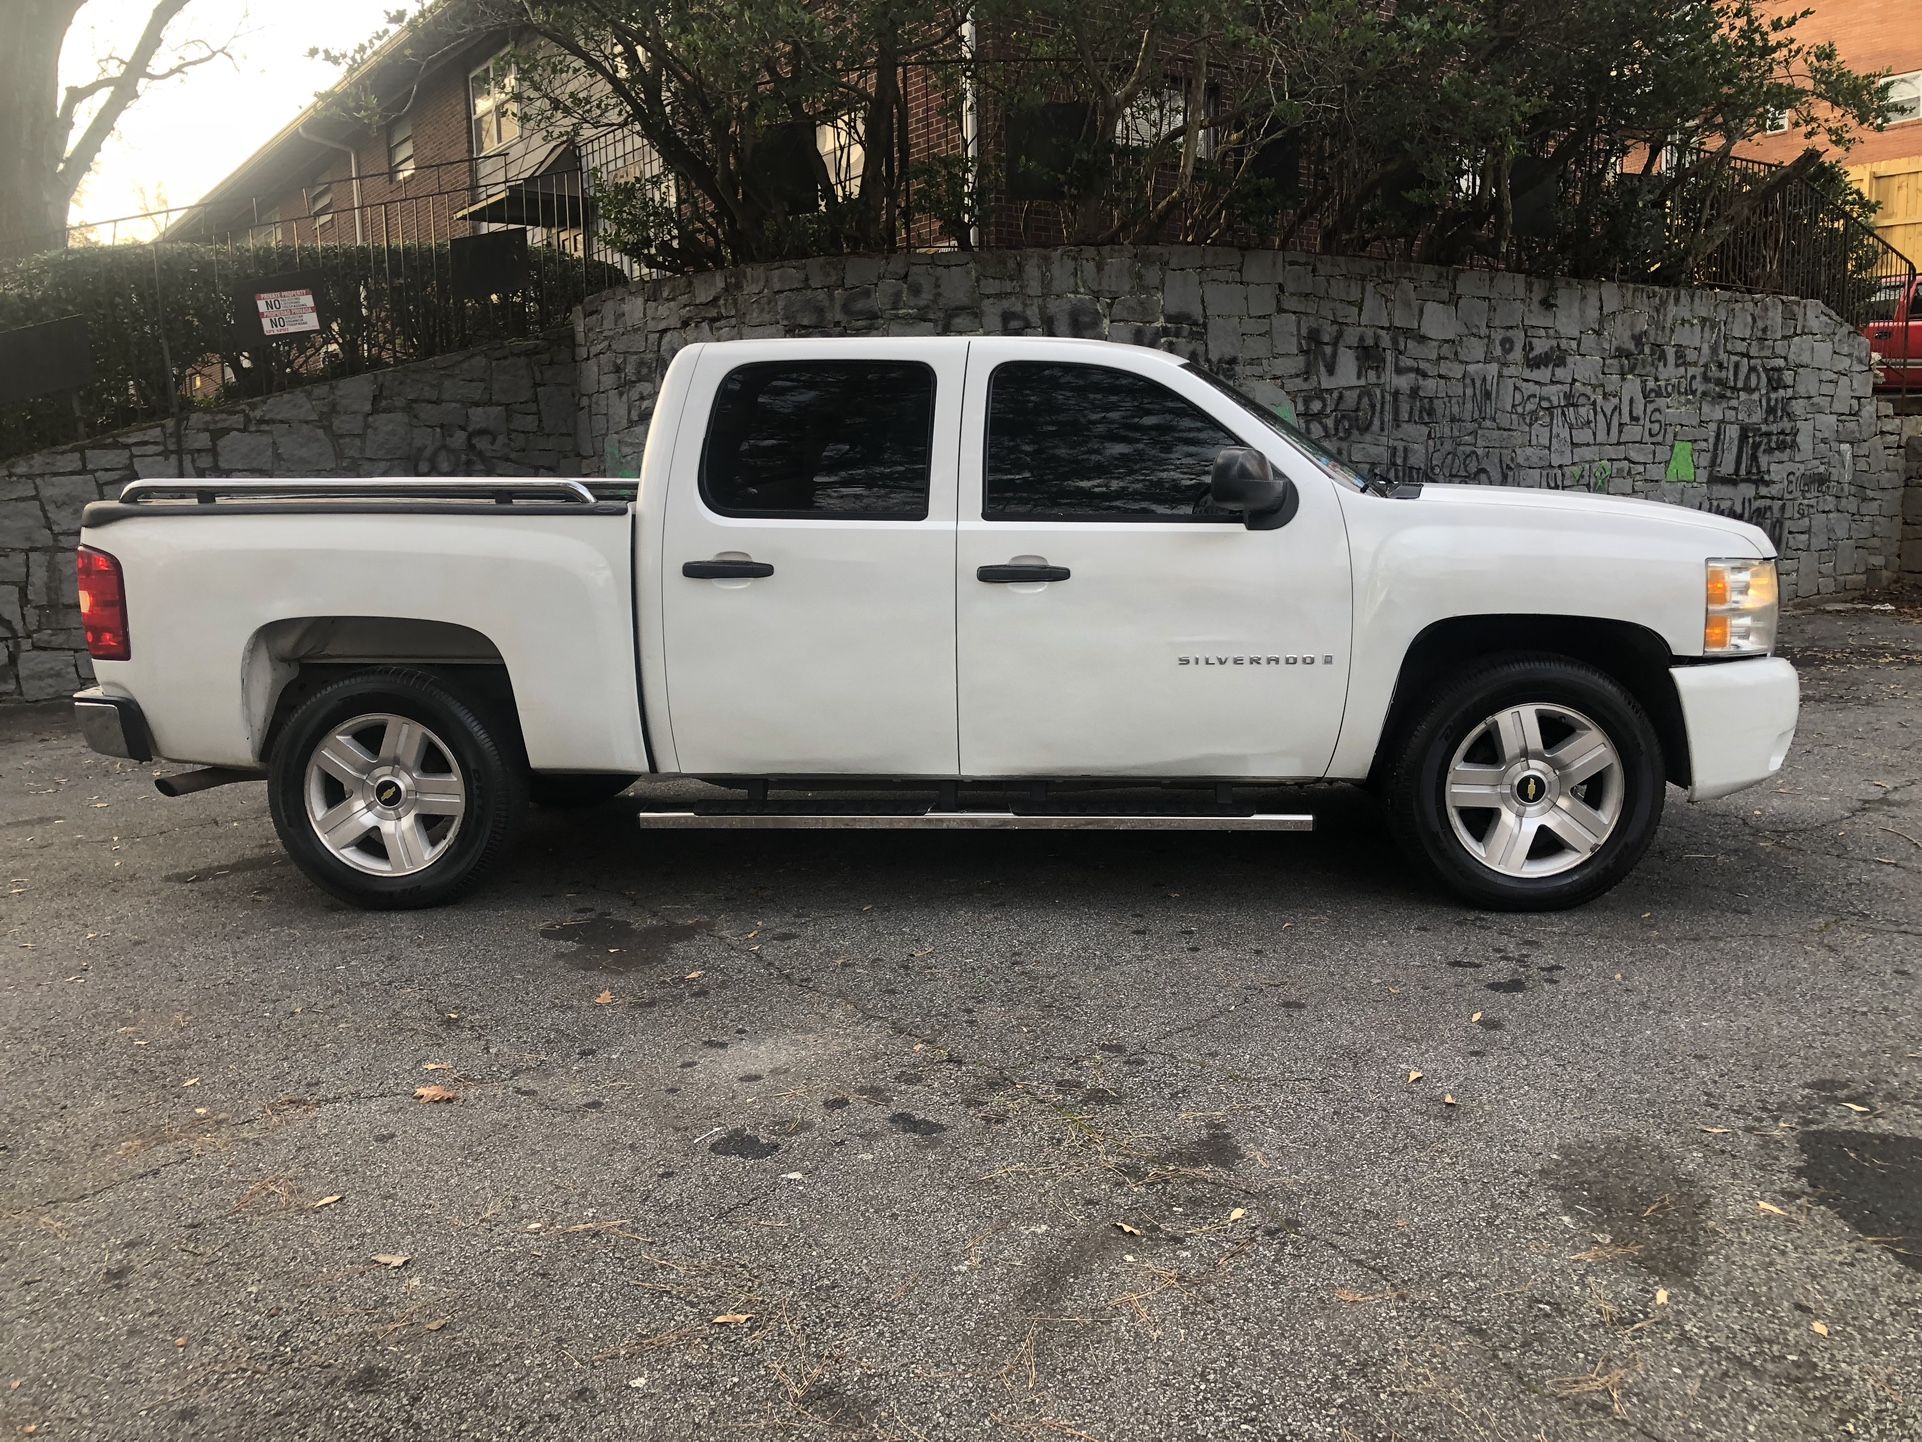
x,y
1633,655
287,660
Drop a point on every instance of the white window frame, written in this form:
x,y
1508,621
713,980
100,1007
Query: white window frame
x,y
492,116
400,131
1910,86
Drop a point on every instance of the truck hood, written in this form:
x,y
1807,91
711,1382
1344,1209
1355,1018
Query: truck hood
x,y
1742,538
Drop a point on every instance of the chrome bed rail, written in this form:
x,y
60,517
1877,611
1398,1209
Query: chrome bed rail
x,y
504,491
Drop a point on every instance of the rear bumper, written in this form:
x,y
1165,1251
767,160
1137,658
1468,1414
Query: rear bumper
x,y
113,725
1740,718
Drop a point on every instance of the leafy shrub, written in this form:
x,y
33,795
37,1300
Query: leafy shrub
x,y
157,314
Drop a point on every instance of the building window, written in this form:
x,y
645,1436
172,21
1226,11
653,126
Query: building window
x,y
1903,98
490,104
1157,115
400,149
1777,123
320,205
839,142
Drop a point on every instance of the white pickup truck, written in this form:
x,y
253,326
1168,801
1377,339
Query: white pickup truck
x,y
964,582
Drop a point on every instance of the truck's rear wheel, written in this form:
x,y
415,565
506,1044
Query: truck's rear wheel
x,y
1532,784
391,792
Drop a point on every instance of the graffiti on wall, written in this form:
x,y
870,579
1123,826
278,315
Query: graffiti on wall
x,y
1700,424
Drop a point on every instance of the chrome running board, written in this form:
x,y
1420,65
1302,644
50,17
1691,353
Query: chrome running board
x,y
879,820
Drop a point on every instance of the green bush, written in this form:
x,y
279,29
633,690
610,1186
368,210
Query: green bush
x,y
158,313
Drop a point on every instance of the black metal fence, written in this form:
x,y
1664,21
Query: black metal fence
x,y
243,299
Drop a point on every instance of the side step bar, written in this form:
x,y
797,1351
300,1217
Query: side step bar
x,y
876,820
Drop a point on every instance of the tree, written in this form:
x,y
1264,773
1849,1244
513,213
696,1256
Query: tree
x,y
54,137
1421,128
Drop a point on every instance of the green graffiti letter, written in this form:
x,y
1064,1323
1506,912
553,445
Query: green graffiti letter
x,y
1681,462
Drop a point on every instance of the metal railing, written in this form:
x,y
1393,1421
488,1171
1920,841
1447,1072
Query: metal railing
x,y
239,299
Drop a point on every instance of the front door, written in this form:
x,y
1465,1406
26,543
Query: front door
x,y
1111,622
807,597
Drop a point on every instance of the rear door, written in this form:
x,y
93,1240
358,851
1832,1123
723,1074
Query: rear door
x,y
1170,640
807,595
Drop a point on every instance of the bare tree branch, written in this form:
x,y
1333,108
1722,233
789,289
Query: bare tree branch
x,y
121,90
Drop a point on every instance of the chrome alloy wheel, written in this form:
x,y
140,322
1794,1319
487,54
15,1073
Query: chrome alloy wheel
x,y
384,794
1534,790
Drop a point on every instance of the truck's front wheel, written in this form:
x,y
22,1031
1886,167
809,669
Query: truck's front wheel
x,y
392,792
1531,784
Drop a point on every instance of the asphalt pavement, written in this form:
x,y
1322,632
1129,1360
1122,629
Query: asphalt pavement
x,y
1027,1136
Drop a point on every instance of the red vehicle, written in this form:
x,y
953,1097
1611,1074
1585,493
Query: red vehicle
x,y
1895,334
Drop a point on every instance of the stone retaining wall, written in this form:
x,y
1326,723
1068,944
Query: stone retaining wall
x,y
1902,439
1750,406
503,410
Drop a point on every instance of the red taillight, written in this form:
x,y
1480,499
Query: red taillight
x,y
103,605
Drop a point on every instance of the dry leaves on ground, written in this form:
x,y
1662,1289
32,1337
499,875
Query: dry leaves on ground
x,y
435,1094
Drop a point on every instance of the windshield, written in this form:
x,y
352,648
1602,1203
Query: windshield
x,y
1325,460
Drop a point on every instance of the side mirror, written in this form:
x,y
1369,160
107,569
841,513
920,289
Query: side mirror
x,y
1244,481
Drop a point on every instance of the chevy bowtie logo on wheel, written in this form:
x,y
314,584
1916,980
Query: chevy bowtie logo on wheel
x,y
1530,788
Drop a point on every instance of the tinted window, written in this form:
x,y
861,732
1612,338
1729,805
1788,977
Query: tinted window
x,y
821,438
1884,303
1325,460
1086,442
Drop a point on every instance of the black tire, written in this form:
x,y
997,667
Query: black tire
x,y
1415,796
467,741
566,791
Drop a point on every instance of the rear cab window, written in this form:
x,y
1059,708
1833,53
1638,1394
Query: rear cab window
x,y
821,439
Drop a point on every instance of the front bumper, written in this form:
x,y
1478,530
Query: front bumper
x,y
1740,718
113,725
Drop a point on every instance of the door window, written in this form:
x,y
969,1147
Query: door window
x,y
845,439
1088,443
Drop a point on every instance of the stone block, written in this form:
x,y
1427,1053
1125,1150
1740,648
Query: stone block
x,y
1078,316
557,405
295,405
22,526
47,675
858,306
389,437
64,497
1181,297
1225,298
113,460
1439,322
304,450
804,309
244,451
511,379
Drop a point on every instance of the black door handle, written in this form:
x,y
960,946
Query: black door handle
x,y
1003,575
726,570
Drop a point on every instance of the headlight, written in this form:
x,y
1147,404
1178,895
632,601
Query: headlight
x,y
1740,611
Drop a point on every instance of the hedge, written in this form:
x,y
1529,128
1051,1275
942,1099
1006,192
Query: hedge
x,y
157,314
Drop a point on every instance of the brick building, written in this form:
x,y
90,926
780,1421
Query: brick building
x,y
1874,36
430,148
